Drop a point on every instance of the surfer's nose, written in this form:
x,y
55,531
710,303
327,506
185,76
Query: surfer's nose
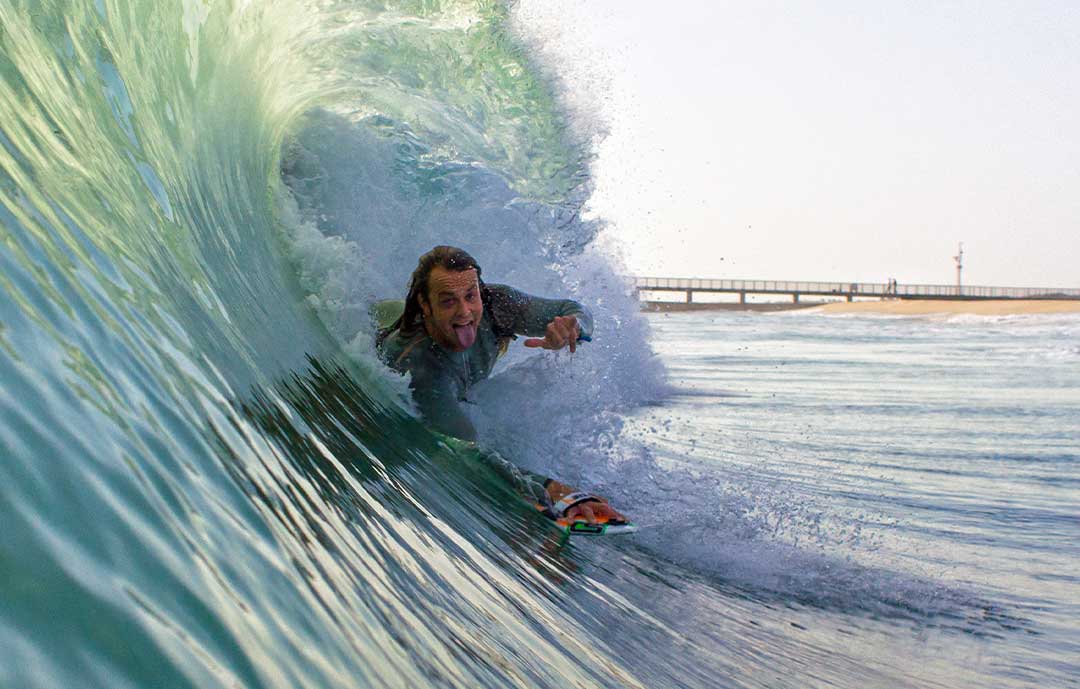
x,y
461,310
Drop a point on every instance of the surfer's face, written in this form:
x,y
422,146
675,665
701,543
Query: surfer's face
x,y
452,307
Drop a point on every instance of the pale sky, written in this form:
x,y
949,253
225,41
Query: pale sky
x,y
843,140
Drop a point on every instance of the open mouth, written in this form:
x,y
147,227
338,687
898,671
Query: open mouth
x,y
466,334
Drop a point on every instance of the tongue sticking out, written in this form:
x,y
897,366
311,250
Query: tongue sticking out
x,y
466,335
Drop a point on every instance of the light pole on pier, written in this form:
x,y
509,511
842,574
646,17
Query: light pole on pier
x,y
959,258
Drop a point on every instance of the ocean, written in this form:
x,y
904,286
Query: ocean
x,y
208,480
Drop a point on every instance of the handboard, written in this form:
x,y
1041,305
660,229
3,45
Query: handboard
x,y
602,527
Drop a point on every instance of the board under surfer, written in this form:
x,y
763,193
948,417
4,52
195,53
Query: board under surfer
x,y
451,331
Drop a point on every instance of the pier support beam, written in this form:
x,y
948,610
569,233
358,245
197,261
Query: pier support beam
x,y
689,297
795,298
742,297
849,298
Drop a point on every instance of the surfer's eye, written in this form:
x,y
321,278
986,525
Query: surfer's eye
x,y
470,296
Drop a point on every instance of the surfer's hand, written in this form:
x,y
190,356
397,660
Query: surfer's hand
x,y
560,332
590,510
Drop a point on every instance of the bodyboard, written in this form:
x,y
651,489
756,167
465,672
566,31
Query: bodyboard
x,y
579,527
602,527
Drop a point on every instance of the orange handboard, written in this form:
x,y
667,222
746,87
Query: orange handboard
x,y
602,527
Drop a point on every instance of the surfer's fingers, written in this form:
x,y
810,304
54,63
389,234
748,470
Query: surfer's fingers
x,y
555,340
608,511
533,342
573,333
570,329
581,511
550,336
587,512
561,331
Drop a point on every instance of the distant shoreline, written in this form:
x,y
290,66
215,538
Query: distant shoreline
x,y
995,307
897,307
666,306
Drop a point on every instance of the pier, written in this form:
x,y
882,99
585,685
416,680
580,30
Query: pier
x,y
847,290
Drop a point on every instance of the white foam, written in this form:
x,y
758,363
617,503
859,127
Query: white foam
x,y
357,218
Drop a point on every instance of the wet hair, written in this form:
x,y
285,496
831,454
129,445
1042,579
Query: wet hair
x,y
446,257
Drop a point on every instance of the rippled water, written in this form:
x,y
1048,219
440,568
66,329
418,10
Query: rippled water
x,y
924,472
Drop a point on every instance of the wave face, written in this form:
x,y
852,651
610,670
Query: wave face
x,y
206,481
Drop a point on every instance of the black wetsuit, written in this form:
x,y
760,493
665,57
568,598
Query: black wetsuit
x,y
441,378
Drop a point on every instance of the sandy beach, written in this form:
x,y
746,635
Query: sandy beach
x,y
1004,307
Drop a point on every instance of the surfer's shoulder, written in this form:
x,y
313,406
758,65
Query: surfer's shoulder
x,y
404,352
504,308
505,297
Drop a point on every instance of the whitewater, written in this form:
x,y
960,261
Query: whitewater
x,y
207,479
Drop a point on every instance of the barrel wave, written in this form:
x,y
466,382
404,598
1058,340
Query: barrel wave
x,y
208,479
203,485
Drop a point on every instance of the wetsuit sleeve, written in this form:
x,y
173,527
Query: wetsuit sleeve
x,y
529,315
442,411
528,484
438,403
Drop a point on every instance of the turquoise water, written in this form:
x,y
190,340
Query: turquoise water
x,y
207,480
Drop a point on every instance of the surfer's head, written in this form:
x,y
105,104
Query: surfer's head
x,y
445,297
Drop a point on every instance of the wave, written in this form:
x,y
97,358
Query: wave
x,y
206,483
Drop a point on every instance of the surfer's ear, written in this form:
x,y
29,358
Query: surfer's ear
x,y
425,307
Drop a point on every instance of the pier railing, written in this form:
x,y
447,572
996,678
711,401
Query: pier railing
x,y
850,290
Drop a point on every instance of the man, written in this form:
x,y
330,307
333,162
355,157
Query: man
x,y
449,336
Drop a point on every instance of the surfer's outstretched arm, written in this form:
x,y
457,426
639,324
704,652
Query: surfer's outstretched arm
x,y
560,322
530,485
437,401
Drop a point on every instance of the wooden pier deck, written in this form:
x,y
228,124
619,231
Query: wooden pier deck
x,y
848,290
